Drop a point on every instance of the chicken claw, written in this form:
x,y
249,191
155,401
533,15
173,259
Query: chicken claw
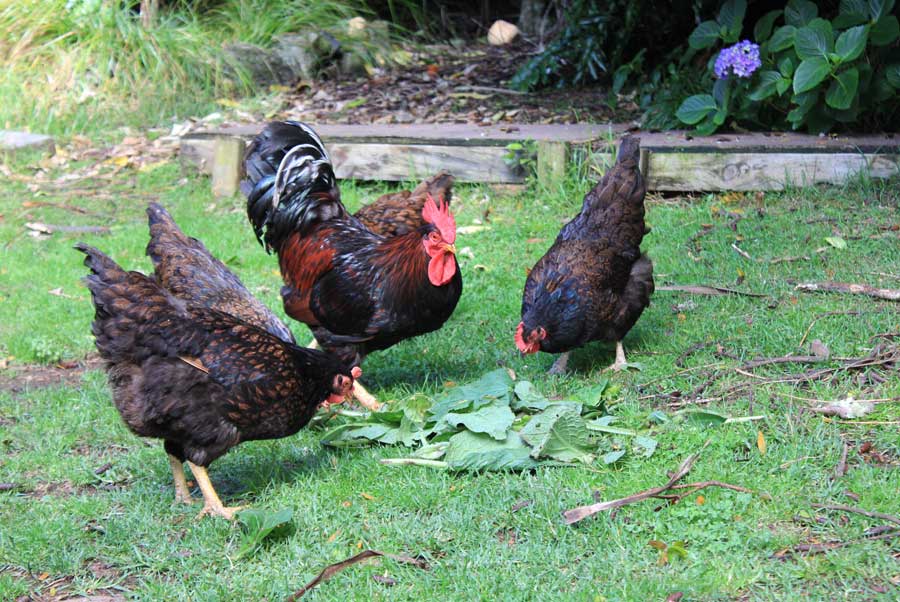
x,y
365,398
559,366
212,505
620,363
182,491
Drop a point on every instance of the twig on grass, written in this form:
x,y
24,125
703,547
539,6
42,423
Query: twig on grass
x,y
332,569
821,548
702,289
854,510
841,468
695,487
576,514
888,294
819,317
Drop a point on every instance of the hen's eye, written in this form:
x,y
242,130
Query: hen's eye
x,y
435,237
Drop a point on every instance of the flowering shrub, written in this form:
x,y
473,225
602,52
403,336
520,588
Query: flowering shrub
x,y
802,70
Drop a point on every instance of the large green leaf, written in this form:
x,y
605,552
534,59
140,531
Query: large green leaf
x,y
493,420
810,74
766,87
731,16
704,35
885,31
843,89
800,12
853,12
892,73
259,524
349,435
763,28
815,40
696,108
471,451
786,66
493,385
880,8
805,102
528,398
852,42
782,38
560,433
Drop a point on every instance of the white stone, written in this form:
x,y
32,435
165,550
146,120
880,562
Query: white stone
x,y
502,32
15,141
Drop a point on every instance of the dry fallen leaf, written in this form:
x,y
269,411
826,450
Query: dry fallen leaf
x,y
761,442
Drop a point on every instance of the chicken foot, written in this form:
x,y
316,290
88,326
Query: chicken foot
x,y
365,398
182,491
559,366
620,363
211,502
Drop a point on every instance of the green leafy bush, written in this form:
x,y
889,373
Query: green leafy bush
x,y
815,73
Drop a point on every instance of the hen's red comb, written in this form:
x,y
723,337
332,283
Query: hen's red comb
x,y
440,216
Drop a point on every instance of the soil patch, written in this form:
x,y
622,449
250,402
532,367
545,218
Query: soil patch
x,y
19,378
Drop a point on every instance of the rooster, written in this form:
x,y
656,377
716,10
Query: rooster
x,y
198,378
594,282
358,290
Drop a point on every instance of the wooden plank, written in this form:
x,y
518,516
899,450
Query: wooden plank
x,y
762,171
450,134
551,160
414,162
228,156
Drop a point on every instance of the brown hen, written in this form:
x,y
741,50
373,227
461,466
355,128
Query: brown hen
x,y
398,213
593,283
200,379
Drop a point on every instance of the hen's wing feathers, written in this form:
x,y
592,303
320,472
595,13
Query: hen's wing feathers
x,y
185,268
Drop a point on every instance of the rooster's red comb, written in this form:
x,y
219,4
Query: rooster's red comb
x,y
440,216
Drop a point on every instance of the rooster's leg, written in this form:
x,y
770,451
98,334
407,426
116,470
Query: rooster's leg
x,y
182,491
559,366
620,363
211,502
365,398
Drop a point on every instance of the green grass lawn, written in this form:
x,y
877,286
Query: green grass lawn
x,y
64,530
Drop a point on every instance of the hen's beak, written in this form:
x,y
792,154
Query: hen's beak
x,y
450,248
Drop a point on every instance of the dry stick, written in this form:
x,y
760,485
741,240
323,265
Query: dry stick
x,y
841,468
820,548
329,571
819,317
786,359
695,487
887,294
576,514
855,510
702,289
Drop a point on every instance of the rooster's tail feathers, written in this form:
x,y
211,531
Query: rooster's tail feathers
x,y
290,182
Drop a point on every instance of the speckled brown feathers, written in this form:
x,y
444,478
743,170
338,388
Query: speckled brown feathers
x,y
593,283
398,213
200,379
185,268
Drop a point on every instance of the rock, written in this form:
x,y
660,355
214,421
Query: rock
x,y
356,27
403,117
298,52
264,67
353,65
11,142
502,32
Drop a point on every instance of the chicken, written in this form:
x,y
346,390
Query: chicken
x,y
198,378
594,282
398,213
357,290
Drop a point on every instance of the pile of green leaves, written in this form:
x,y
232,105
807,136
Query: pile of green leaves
x,y
496,423
816,73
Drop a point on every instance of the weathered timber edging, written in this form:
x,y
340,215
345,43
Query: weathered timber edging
x,y
670,160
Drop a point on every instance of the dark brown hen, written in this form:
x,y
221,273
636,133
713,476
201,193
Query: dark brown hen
x,y
398,213
200,379
593,283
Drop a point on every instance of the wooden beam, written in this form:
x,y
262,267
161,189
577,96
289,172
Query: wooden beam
x,y
228,156
551,160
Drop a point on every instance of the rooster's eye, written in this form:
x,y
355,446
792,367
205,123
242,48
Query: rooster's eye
x,y
435,237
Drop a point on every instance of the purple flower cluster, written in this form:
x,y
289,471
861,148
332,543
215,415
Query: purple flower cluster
x,y
742,59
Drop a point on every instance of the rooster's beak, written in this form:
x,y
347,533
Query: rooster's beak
x,y
450,248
